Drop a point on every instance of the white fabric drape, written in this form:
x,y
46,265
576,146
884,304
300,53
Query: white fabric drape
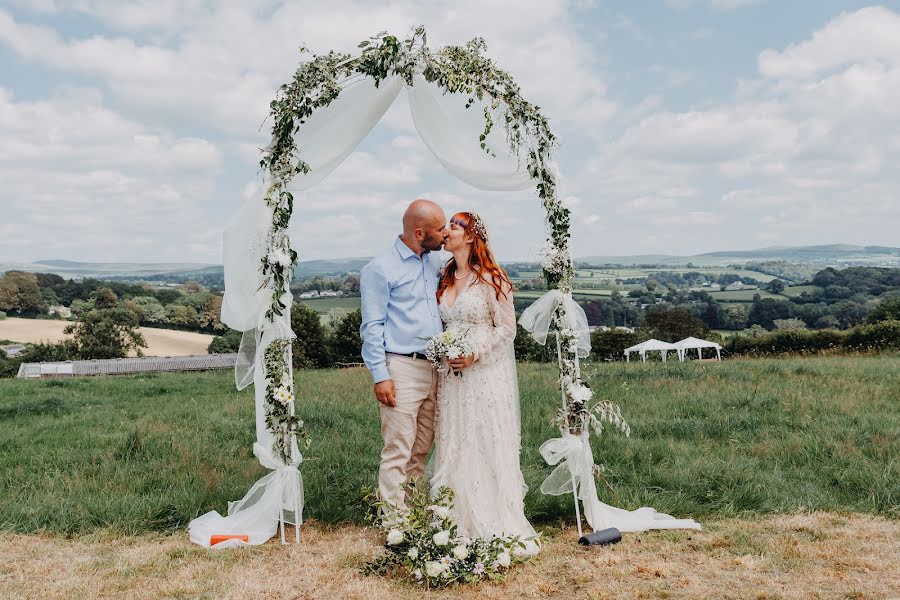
x,y
244,306
450,132
332,133
537,319
327,138
575,471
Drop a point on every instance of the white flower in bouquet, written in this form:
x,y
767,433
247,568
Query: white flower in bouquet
x,y
579,392
441,512
460,552
433,568
417,574
504,559
413,553
441,538
394,537
450,344
283,395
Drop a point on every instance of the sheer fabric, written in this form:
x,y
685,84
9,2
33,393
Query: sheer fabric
x,y
477,435
451,134
324,142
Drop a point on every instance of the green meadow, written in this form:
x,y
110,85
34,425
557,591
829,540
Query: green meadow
x,y
738,438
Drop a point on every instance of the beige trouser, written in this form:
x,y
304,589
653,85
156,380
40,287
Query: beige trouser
x,y
408,427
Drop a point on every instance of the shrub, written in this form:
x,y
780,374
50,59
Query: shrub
x,y
528,350
610,345
345,341
884,335
310,348
228,342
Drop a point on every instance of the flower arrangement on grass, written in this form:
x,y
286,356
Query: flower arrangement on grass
x,y
423,544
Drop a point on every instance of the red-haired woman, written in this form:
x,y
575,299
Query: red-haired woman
x,y
477,430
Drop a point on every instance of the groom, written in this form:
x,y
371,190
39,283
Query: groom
x,y
400,310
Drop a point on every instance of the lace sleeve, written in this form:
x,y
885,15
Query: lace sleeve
x,y
503,316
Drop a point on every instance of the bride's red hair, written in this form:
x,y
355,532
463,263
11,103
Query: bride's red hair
x,y
481,261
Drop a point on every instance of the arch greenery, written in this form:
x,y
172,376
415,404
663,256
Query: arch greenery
x,y
317,82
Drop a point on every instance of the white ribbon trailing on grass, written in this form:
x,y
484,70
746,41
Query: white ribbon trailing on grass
x,y
279,494
575,471
537,319
256,515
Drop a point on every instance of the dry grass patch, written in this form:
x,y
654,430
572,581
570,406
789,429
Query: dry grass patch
x,y
160,342
820,555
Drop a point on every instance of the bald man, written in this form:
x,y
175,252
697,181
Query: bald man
x,y
399,311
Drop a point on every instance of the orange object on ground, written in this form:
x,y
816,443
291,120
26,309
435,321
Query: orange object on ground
x,y
218,539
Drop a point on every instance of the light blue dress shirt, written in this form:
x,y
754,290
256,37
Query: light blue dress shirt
x,y
399,305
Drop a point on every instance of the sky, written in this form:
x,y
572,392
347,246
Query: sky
x,y
131,131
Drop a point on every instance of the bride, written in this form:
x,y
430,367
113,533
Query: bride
x,y
477,423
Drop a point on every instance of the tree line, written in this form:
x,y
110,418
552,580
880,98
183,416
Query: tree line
x,y
191,307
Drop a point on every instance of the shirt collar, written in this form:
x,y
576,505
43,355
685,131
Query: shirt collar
x,y
404,251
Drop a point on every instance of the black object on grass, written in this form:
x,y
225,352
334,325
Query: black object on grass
x,y
601,538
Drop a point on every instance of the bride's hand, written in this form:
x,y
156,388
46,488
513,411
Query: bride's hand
x,y
458,364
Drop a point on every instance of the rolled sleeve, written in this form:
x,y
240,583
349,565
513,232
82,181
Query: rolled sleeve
x,y
375,292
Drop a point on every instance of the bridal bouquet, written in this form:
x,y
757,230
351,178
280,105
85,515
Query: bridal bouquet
x,y
423,544
450,344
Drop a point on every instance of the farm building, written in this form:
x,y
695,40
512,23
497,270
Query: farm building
x,y
126,366
13,350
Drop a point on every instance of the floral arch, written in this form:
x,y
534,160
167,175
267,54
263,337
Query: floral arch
x,y
318,118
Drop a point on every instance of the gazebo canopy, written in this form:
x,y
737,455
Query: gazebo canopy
x,y
697,344
650,345
693,342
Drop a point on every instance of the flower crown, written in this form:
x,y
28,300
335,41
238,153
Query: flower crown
x,y
478,227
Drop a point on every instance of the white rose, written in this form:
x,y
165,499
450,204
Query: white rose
x,y
394,537
413,553
281,257
442,538
441,512
504,558
433,568
460,552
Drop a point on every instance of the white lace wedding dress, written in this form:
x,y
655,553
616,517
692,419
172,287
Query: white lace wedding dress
x,y
478,435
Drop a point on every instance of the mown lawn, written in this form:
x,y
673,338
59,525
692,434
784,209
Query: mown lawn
x,y
739,438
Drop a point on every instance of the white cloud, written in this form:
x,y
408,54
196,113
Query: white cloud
x,y
795,152
81,179
157,151
857,37
716,4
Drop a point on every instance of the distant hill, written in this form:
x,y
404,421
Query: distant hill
x,y
172,271
834,255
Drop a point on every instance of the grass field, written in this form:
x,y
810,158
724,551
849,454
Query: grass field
x,y
323,305
743,295
632,272
745,436
749,447
160,342
795,290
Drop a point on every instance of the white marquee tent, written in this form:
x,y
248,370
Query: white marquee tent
x,y
690,343
650,346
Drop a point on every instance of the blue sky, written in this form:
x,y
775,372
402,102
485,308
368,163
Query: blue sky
x,y
130,131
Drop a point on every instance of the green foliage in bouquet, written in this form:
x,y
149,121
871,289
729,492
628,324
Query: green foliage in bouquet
x,y
423,543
